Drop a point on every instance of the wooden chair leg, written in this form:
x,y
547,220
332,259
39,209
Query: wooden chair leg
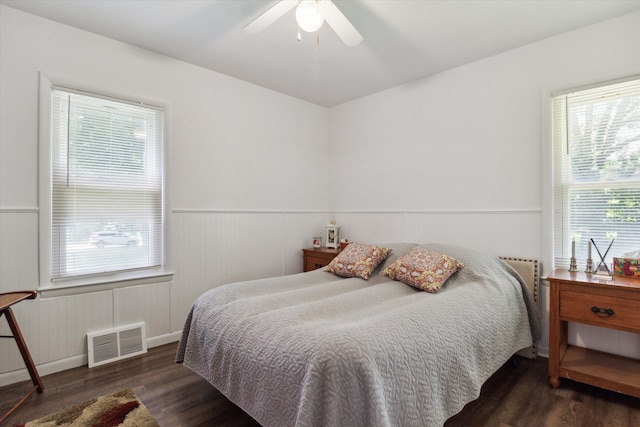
x,y
26,356
24,350
20,402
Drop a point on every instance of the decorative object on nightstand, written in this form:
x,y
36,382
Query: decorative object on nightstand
x,y
317,242
318,258
602,269
332,235
628,265
589,267
573,266
613,303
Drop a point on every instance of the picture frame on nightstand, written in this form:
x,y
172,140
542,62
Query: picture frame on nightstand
x,y
332,236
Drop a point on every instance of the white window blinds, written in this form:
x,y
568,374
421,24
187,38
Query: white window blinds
x,y
107,185
596,135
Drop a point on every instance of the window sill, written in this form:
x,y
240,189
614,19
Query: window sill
x,y
104,283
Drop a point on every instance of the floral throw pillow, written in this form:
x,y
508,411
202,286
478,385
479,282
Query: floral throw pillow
x,y
423,269
357,260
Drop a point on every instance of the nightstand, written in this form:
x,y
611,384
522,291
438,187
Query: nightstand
x,y
318,258
609,303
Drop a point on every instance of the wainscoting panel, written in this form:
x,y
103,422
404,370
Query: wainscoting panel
x,y
149,304
72,317
56,328
604,339
212,248
543,348
300,229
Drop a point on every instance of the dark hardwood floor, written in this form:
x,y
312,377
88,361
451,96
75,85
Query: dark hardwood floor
x,y
514,396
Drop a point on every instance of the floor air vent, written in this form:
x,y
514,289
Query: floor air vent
x,y
116,344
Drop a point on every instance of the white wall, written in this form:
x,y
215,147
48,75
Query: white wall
x,y
465,156
237,155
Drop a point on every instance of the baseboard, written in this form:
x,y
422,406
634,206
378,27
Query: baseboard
x,y
163,339
543,351
12,377
43,369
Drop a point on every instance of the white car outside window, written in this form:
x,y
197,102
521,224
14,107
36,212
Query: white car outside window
x,y
104,238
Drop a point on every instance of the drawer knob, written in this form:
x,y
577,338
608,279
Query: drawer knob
x,y
602,312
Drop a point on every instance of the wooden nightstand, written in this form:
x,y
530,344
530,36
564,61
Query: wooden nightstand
x,y
608,303
318,258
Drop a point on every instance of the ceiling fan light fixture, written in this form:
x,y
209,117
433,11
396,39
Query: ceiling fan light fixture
x,y
310,15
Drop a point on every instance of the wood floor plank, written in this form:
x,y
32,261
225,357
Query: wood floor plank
x,y
515,396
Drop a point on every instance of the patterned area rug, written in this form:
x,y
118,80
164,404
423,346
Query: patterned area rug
x,y
122,408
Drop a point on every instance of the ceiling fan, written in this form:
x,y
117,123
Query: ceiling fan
x,y
310,15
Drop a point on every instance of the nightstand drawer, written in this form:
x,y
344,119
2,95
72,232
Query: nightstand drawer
x,y
314,259
313,263
600,310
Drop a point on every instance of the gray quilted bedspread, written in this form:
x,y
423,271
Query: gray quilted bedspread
x,y
313,349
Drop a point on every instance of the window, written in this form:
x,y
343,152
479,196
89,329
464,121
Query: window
x,y
596,135
106,185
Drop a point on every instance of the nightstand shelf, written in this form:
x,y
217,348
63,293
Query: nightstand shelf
x,y
592,367
610,303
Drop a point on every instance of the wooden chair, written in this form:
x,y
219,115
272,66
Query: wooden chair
x,y
6,301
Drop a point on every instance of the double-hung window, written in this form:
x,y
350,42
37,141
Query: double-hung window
x,y
106,185
596,133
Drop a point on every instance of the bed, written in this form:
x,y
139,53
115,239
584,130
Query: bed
x,y
316,349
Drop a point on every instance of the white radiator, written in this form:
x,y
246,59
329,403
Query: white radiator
x,y
116,344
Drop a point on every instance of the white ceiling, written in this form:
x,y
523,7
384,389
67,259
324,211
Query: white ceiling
x,y
403,39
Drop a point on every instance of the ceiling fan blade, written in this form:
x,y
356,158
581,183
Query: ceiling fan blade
x,y
269,16
341,25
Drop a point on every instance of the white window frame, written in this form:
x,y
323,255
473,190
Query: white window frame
x,y
94,282
562,238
